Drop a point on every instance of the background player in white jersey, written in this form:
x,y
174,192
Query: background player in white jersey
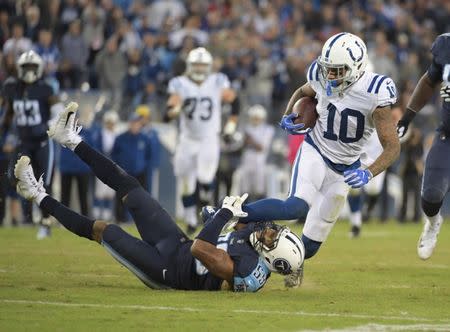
x,y
196,97
355,200
258,139
351,104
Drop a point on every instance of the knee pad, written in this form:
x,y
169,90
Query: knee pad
x,y
430,209
311,246
296,208
433,195
126,184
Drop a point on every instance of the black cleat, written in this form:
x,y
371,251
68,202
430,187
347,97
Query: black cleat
x,y
191,230
355,232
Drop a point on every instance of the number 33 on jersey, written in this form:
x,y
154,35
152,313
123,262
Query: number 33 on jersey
x,y
345,122
201,111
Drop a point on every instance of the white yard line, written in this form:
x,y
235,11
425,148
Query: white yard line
x,y
390,328
242,311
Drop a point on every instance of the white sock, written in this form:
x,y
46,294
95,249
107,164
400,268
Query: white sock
x,y
356,219
40,197
190,215
435,219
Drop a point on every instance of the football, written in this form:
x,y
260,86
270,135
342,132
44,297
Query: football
x,y
306,110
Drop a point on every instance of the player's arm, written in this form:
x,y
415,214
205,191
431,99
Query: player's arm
x,y
421,95
425,87
304,91
288,119
385,126
173,107
217,261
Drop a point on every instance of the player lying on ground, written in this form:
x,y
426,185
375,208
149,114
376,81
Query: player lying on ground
x,y
166,257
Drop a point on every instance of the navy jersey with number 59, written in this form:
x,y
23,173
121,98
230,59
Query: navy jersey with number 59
x,y
250,272
439,71
31,107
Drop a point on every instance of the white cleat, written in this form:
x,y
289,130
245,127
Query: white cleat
x,y
27,186
43,232
428,238
65,129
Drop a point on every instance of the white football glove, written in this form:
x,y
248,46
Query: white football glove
x,y
445,93
234,204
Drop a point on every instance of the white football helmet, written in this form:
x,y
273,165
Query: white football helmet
x,y
257,111
199,64
342,62
285,254
30,67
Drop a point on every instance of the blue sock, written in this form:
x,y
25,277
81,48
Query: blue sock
x,y
270,209
355,202
311,246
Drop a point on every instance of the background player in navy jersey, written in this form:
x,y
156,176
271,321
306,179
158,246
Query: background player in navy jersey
x,y
165,257
29,104
436,178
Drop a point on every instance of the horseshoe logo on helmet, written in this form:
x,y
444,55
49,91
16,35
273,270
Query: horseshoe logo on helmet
x,y
351,53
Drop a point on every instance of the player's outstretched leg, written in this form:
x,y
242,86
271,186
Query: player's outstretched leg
x,y
65,131
33,190
270,209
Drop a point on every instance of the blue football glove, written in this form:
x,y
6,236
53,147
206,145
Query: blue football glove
x,y
287,123
356,178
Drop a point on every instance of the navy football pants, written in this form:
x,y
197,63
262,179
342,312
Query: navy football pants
x,y
150,258
436,177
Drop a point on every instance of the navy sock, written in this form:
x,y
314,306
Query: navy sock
x,y
106,170
77,224
355,202
311,246
270,209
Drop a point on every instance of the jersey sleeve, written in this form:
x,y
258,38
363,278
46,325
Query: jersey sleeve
x,y
439,49
386,93
255,280
175,86
222,81
312,76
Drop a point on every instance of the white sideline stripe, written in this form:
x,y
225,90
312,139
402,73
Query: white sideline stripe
x,y
242,311
390,328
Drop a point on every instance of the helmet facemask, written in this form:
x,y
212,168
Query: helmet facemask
x,y
29,72
198,71
334,78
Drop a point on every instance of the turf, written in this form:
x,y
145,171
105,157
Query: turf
x,y
373,283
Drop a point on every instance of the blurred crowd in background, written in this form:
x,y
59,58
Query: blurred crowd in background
x,y
128,50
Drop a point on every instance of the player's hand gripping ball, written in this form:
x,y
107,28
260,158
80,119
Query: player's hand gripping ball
x,y
303,117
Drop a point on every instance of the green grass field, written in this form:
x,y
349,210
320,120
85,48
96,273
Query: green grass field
x,y
375,283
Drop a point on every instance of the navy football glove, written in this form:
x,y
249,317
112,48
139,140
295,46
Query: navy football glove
x,y
356,178
403,124
287,123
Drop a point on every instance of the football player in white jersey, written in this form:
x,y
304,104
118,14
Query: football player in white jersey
x,y
196,98
352,103
371,152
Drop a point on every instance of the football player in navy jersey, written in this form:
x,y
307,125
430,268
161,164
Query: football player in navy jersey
x,y
29,105
436,177
166,257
